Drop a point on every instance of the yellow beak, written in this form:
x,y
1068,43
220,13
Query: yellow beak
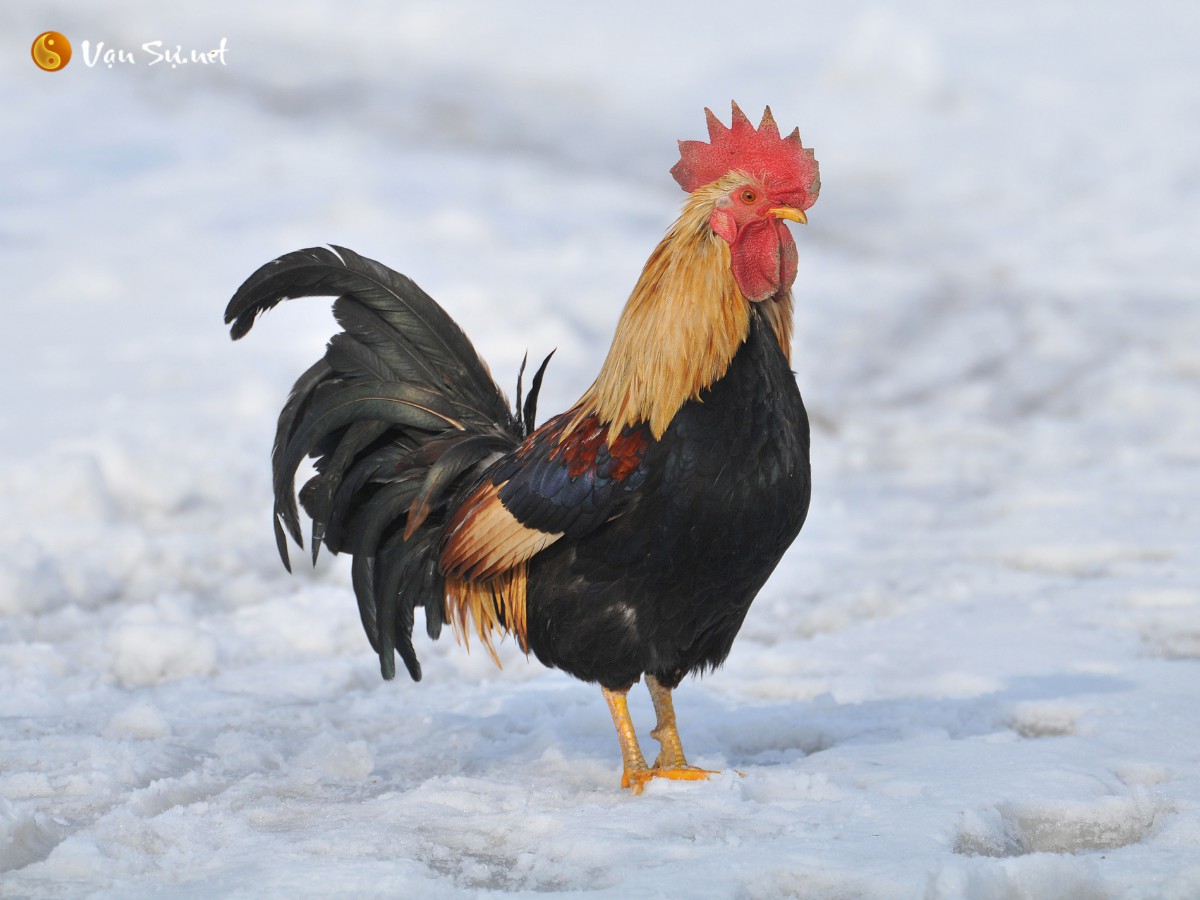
x,y
789,212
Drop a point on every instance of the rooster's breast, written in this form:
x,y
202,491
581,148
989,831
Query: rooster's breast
x,y
664,586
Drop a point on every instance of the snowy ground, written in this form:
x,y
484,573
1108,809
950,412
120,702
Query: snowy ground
x,y
976,673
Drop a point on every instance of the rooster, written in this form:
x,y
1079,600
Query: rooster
x,y
624,538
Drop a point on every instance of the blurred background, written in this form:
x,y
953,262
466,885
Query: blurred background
x,y
998,316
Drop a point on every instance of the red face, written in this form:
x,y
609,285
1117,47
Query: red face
x,y
762,252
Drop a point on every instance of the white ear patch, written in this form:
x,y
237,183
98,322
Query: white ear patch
x,y
722,221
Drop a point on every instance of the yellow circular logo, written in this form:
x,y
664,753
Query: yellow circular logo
x,y
51,51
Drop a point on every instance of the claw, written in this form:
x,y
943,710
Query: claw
x,y
636,780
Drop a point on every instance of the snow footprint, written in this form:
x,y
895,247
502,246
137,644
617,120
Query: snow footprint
x,y
1018,828
1044,718
1167,621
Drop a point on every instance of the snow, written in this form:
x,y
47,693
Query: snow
x,y
975,674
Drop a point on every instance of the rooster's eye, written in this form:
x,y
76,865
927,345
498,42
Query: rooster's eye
x,y
749,196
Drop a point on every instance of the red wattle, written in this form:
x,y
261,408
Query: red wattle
x,y
763,259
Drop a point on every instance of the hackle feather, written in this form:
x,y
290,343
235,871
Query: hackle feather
x,y
683,324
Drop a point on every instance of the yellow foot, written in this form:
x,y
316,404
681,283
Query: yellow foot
x,y
637,780
683,773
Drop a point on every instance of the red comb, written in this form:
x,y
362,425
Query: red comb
x,y
783,164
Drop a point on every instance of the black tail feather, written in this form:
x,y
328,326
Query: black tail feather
x,y
377,467
397,567
384,507
297,401
414,327
401,405
475,451
319,500
401,416
528,412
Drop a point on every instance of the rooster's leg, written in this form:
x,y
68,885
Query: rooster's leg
x,y
636,773
671,762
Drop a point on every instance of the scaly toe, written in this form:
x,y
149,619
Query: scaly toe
x,y
682,773
636,780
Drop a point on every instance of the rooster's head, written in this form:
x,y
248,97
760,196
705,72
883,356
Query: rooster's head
x,y
754,180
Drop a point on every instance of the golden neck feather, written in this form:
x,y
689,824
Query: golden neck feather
x,y
681,327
